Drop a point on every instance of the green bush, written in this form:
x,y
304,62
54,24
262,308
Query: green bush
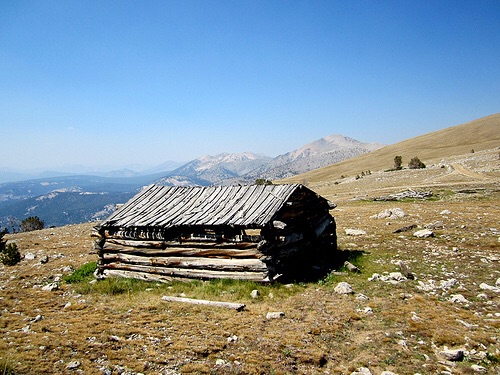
x,y
9,254
32,223
415,163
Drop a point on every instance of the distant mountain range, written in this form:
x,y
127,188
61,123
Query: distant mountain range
x,y
67,199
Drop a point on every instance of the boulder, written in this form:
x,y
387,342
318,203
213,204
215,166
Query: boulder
x,y
355,232
275,315
424,233
452,355
343,288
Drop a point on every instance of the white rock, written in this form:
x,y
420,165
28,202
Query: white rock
x,y
424,233
343,288
452,355
254,294
368,310
362,371
458,298
478,368
232,338
445,212
355,232
29,256
73,365
497,283
447,284
492,288
374,277
482,296
50,287
275,315
390,213
361,297
388,373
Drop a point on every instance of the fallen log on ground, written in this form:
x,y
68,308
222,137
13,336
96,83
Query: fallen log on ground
x,y
227,305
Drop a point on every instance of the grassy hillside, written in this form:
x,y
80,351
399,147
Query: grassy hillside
x,y
480,134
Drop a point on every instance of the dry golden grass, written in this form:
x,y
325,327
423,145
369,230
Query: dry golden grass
x,y
321,333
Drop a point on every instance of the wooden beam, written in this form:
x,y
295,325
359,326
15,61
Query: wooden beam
x,y
216,264
227,305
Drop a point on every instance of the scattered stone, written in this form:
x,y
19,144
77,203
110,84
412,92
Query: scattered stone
x,y
468,325
351,267
361,297
29,256
73,365
405,228
497,283
478,368
458,298
445,212
482,296
232,338
220,362
114,338
388,373
368,310
485,286
254,294
448,284
50,287
436,225
405,194
355,232
393,278
44,259
362,371
424,233
374,277
452,355
275,315
343,288
390,213
37,318
67,305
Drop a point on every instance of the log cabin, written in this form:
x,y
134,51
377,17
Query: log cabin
x,y
261,233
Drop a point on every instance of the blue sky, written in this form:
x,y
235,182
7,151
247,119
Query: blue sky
x,y
120,83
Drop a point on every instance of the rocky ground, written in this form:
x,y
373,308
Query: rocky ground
x,y
424,300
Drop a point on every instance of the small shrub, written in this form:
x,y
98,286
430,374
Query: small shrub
x,y
32,223
9,254
398,162
263,181
415,163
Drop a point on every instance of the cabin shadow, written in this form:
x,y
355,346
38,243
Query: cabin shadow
x,y
313,270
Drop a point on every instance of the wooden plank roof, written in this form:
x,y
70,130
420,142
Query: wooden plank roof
x,y
171,206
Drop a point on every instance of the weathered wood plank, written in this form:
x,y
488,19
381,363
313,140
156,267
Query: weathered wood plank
x,y
227,305
185,251
216,264
187,273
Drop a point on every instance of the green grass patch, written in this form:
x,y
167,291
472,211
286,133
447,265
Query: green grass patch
x,y
83,274
220,289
